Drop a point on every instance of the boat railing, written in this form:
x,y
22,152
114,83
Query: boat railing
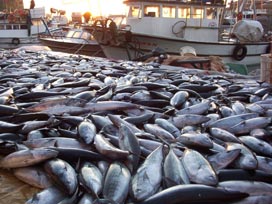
x,y
13,26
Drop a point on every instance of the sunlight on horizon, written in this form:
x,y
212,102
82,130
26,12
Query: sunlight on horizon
x,y
96,7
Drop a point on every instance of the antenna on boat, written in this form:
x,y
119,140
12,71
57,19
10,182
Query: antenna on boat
x,y
99,6
46,26
271,45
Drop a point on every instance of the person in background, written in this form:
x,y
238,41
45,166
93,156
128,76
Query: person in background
x,y
87,16
32,4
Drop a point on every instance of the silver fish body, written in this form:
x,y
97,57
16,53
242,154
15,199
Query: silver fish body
x,y
86,199
194,139
34,176
116,183
173,169
159,132
179,98
194,193
181,121
87,131
224,135
199,108
259,146
264,164
246,160
27,157
198,168
145,182
168,126
51,195
107,149
244,127
228,122
129,142
117,121
56,142
91,178
255,199
250,187
9,127
222,159
238,107
63,174
108,106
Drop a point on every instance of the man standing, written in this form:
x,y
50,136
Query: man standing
x,y
32,4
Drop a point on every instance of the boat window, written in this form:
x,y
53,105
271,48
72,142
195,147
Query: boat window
x,y
134,11
197,12
36,23
211,13
117,19
70,34
9,27
23,26
91,37
248,16
2,27
85,35
152,11
77,34
183,12
169,11
16,27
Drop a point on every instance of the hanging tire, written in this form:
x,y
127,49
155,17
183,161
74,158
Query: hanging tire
x,y
15,41
239,52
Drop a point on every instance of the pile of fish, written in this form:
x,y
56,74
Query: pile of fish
x,y
91,130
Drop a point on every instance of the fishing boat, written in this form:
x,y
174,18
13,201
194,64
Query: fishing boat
x,y
173,24
75,41
21,27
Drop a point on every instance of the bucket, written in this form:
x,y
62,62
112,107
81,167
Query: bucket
x,y
266,68
187,51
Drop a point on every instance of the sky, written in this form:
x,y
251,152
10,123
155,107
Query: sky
x,y
96,7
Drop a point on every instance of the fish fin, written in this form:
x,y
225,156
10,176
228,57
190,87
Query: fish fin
x,y
78,164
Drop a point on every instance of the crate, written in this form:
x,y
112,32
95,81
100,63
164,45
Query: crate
x,y
266,68
238,68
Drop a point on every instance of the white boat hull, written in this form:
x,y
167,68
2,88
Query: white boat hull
x,y
9,43
143,44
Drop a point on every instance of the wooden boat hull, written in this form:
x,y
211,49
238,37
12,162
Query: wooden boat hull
x,y
83,48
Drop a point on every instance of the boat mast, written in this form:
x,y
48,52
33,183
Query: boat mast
x,y
242,6
253,4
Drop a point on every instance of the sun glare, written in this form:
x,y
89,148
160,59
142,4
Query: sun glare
x,y
96,7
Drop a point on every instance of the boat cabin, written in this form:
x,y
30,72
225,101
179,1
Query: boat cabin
x,y
191,20
22,23
79,34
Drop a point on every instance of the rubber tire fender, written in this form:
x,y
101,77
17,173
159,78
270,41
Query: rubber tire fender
x,y
15,41
239,52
